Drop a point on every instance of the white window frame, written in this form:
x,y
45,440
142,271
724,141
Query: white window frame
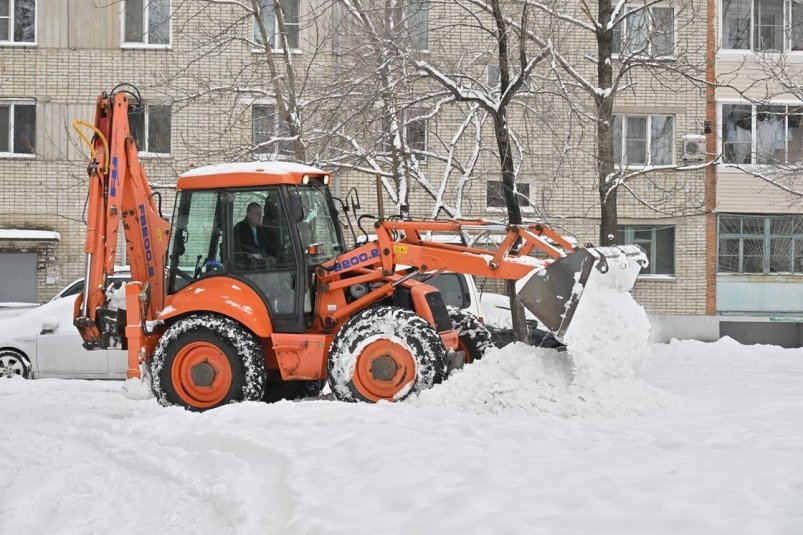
x,y
796,56
648,164
672,56
143,44
754,138
146,114
11,23
258,49
276,152
11,103
529,208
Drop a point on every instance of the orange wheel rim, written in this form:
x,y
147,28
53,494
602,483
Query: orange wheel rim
x,y
383,369
201,374
467,358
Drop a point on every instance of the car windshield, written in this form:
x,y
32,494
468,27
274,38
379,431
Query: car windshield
x,y
318,224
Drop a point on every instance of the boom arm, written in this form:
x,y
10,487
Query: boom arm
x,y
119,191
552,295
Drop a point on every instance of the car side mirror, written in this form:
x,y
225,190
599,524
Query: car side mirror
x,y
49,325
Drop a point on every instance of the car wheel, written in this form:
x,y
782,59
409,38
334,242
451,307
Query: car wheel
x,y
14,363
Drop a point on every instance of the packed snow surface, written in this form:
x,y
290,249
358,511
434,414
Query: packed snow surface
x,y
686,437
79,457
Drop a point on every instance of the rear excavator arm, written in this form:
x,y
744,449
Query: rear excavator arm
x,y
550,287
119,192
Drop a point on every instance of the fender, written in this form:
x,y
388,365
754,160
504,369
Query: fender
x,y
225,296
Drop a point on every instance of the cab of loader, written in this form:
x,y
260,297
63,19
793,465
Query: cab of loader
x,y
269,235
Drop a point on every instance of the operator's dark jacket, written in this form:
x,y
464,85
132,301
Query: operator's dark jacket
x,y
244,243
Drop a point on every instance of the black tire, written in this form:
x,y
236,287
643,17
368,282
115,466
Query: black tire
x,y
277,389
475,338
236,347
13,362
404,330
541,338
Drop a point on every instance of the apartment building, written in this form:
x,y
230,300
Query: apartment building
x,y
759,268
57,55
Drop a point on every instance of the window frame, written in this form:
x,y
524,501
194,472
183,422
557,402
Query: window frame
x,y
648,142
787,34
524,208
766,236
628,237
145,19
619,55
11,103
753,131
146,113
276,152
275,48
12,26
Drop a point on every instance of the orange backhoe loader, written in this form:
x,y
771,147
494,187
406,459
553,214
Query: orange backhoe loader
x,y
251,291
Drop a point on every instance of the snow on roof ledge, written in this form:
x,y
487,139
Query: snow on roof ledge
x,y
275,168
33,235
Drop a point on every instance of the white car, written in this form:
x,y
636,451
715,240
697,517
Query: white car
x,y
42,342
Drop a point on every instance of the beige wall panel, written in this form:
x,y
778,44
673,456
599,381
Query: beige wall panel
x,y
743,193
51,25
94,25
52,136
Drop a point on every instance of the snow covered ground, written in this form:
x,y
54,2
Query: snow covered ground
x,y
708,439
614,437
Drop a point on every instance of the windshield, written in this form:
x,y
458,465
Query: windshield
x,y
318,224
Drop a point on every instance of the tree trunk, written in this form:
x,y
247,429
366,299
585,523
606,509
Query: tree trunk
x,y
520,330
609,223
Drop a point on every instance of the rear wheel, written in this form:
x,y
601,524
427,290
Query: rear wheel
x,y
204,361
385,353
474,339
14,363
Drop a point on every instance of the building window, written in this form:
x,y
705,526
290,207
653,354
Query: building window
x,y
762,25
646,32
292,24
494,75
17,128
657,241
760,245
413,17
643,140
270,132
147,22
17,21
415,133
495,194
152,128
762,134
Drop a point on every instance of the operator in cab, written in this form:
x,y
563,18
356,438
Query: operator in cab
x,y
254,247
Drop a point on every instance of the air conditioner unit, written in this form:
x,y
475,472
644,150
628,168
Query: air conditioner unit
x,y
694,148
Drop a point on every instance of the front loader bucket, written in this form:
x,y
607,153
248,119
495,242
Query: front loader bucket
x,y
552,293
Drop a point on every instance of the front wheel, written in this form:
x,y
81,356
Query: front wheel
x,y
14,363
385,353
203,361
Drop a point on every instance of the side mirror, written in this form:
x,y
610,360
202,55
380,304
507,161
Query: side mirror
x,y
49,325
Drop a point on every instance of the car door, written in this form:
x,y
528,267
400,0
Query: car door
x,y
118,358
59,349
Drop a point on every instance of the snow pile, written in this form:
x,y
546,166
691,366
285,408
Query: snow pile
x,y
524,379
138,389
608,335
607,338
